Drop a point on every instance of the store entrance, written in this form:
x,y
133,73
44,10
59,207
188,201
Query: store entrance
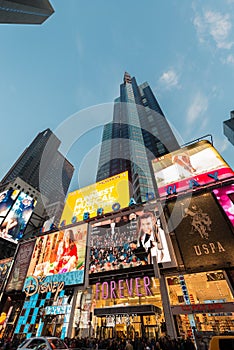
x,y
127,322
53,325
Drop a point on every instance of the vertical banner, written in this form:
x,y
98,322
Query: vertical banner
x,y
4,268
20,266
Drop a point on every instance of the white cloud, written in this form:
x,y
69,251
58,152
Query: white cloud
x,y
221,144
197,108
215,25
229,59
169,79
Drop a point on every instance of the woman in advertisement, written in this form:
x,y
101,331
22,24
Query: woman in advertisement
x,y
67,255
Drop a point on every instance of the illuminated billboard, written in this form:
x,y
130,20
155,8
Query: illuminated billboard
x,y
60,256
7,199
127,241
203,234
189,168
4,268
20,266
105,196
225,196
15,222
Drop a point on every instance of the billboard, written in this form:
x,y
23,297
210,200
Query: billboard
x,y
188,168
203,235
15,222
7,199
225,196
20,266
4,268
127,241
109,194
60,256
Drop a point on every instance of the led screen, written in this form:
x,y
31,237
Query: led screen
x,y
7,199
107,194
203,235
61,255
225,196
4,267
189,167
14,224
20,266
127,241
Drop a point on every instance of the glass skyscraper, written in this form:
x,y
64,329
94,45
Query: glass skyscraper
x,y
25,11
138,133
43,167
228,128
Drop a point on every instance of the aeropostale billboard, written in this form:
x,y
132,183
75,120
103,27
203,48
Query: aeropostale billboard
x,y
105,196
189,168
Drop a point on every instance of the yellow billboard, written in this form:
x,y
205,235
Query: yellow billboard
x,y
103,197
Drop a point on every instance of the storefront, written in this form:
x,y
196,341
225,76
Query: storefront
x,y
201,303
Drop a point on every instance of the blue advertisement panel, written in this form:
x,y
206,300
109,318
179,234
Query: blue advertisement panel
x,y
15,222
60,256
7,199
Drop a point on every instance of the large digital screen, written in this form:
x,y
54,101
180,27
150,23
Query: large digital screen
x,y
15,222
189,168
127,241
7,198
225,196
20,266
4,268
60,256
202,232
109,194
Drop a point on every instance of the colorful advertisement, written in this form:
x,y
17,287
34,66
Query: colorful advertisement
x,y
7,199
127,241
60,256
225,196
14,224
20,267
107,196
189,168
4,268
203,234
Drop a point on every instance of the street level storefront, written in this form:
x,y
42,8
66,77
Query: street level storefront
x,y
127,307
201,302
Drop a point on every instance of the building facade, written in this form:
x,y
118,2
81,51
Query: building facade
x,y
139,132
25,11
44,168
228,128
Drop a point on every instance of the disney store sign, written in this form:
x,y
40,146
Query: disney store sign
x,y
35,285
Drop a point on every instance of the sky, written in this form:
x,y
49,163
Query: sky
x,y
65,74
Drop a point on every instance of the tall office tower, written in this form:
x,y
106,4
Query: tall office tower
x,y
138,133
25,11
228,128
43,167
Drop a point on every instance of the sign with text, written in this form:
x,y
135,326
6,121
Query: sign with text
x,y
189,168
203,235
107,196
60,256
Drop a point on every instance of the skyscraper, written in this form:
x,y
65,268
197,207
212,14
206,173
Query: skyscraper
x,y
43,167
138,133
228,128
25,11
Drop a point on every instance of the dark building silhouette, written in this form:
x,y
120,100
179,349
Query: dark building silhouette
x,y
25,11
228,128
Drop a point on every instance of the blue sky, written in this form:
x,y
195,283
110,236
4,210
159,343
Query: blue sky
x,y
76,61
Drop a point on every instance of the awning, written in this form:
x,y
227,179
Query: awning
x,y
147,309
